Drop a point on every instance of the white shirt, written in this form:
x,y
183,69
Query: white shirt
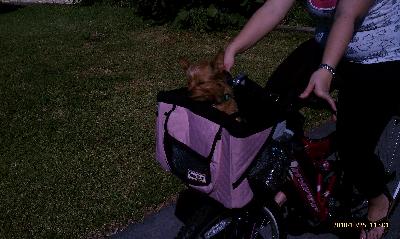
x,y
376,39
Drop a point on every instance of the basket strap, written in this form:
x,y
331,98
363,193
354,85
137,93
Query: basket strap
x,y
168,114
216,138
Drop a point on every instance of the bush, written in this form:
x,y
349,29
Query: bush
x,y
160,11
207,19
201,15
207,15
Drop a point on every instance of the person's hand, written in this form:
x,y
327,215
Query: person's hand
x,y
320,84
229,58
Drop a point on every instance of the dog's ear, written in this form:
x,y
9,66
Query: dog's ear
x,y
184,63
218,62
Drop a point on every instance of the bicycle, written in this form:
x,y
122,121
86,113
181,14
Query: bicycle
x,y
309,164
262,217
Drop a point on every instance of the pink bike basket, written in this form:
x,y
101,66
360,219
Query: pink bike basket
x,y
207,149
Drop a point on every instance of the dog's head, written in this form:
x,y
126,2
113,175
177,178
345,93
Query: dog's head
x,y
206,79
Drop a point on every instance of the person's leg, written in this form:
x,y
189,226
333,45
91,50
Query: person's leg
x,y
366,103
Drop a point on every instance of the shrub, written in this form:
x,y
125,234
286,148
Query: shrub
x,y
207,15
201,15
197,15
207,19
160,11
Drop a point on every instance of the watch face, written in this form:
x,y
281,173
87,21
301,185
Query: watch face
x,y
323,4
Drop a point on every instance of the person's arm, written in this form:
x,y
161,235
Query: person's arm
x,y
264,20
347,16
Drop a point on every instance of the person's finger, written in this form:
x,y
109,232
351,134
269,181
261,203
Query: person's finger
x,y
330,101
228,63
227,68
307,91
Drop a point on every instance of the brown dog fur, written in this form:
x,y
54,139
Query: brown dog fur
x,y
206,82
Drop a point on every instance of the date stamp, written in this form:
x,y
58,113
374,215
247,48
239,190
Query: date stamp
x,y
360,224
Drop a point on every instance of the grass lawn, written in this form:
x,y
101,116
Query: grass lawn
x,y
78,92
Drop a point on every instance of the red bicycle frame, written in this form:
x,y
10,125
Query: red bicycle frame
x,y
317,194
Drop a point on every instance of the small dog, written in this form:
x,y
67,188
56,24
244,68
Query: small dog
x,y
207,82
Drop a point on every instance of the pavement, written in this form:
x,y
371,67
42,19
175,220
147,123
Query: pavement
x,y
165,225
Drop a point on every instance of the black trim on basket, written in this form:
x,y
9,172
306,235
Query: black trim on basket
x,y
168,142
263,114
216,139
205,162
214,144
168,114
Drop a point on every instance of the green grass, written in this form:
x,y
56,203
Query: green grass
x,y
78,92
